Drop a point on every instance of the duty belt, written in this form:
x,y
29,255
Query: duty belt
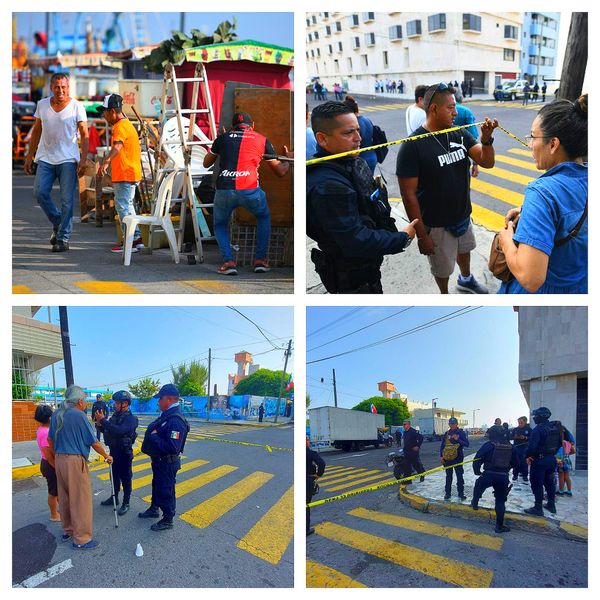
x,y
168,458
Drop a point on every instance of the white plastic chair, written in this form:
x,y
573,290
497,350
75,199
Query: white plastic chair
x,y
172,145
161,217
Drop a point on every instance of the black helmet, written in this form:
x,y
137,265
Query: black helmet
x,y
122,396
496,433
541,414
43,412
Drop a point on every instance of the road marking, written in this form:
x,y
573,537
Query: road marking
x,y
105,465
334,468
214,508
21,289
428,563
107,287
147,479
136,469
487,218
364,454
321,576
453,533
521,152
508,175
46,575
354,475
210,286
363,480
529,165
498,192
189,485
346,471
272,534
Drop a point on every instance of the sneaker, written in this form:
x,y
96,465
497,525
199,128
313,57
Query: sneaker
x,y
124,509
89,546
53,237
261,266
119,248
560,493
470,285
162,525
568,493
228,268
138,243
60,246
65,537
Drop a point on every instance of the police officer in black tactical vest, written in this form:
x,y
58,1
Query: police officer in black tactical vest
x,y
119,434
164,441
544,442
347,212
496,457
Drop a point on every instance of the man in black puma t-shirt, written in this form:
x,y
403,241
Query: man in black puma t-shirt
x,y
433,173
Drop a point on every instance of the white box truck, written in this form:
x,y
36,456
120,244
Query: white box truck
x,y
435,432
344,428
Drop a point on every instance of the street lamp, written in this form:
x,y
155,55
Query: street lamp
x,y
433,417
475,409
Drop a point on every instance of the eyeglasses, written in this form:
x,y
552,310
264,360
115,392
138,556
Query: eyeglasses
x,y
528,138
432,90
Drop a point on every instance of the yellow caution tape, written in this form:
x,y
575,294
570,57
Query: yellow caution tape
x,y
512,135
265,446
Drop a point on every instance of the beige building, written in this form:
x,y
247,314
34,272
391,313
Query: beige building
x,y
358,49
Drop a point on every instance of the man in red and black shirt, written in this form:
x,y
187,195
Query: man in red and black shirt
x,y
240,152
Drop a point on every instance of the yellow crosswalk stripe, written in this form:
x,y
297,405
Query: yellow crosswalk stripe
x,y
521,152
21,289
272,534
346,471
509,175
214,508
147,479
487,218
436,566
354,475
367,487
107,287
189,485
529,165
136,469
103,466
453,533
363,480
210,286
497,191
321,576
335,468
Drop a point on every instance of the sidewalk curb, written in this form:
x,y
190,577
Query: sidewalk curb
x,y
488,515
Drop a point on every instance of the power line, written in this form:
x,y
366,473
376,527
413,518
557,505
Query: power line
x,y
427,325
332,323
255,325
361,329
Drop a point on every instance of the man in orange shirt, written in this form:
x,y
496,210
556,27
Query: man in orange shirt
x,y
125,156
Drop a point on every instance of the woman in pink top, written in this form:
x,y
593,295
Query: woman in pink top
x,y
42,416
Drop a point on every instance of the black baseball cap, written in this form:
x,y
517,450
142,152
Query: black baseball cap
x,y
110,101
241,118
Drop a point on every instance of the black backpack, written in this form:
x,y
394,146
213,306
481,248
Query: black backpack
x,y
379,137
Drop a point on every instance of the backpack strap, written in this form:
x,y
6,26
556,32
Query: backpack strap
x,y
573,233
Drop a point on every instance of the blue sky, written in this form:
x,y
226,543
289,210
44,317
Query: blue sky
x,y
273,28
115,345
469,362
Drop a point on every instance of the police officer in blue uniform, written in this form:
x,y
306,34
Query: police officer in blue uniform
x,y
451,455
163,442
520,438
315,467
496,456
120,434
544,442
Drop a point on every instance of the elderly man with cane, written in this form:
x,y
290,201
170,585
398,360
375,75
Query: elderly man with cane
x,y
69,440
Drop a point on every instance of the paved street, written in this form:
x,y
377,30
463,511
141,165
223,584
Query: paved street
x,y
233,528
89,267
373,540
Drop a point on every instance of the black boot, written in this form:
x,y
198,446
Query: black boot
x,y
124,508
109,501
550,506
150,513
53,236
502,528
475,503
163,524
60,246
536,510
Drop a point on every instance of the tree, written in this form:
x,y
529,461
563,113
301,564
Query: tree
x,y
21,389
576,55
191,380
263,382
145,388
394,409
173,50
307,401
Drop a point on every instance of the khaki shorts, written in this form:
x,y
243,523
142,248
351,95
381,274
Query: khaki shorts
x,y
447,248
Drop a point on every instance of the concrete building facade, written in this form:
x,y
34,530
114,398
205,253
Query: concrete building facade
x,y
539,46
358,49
553,349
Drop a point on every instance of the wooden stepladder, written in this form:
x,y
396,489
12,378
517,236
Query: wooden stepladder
x,y
185,145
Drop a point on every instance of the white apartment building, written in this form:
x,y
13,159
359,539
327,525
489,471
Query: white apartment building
x,y
358,49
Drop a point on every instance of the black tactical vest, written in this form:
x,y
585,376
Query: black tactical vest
x,y
500,458
554,437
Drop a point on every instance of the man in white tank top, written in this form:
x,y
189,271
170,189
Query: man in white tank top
x,y
415,114
58,121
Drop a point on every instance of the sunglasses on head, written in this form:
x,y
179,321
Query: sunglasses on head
x,y
432,90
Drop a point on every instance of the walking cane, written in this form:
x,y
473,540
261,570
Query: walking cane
x,y
112,492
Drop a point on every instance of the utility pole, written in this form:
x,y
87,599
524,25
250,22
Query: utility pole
x,y
182,22
208,387
539,55
53,375
287,355
66,344
576,56
334,390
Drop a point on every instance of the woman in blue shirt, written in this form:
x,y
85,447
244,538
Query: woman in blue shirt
x,y
366,133
554,205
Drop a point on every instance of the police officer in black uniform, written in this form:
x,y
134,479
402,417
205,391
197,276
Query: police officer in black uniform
x,y
315,467
99,405
347,213
119,434
164,441
544,442
412,441
496,456
520,438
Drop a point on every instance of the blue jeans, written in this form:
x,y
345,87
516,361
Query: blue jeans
x,y
254,201
46,175
124,195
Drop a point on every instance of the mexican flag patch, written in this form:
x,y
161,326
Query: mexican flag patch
x,y
175,435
